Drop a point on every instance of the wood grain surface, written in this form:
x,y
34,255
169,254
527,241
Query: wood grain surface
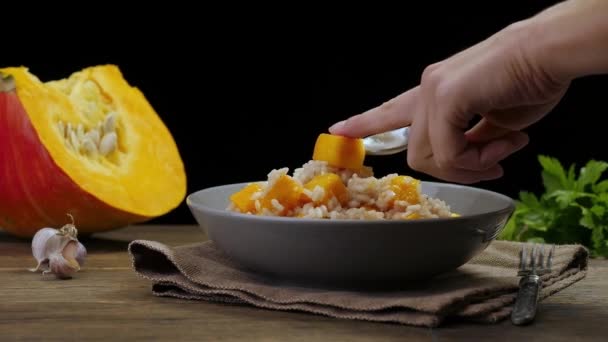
x,y
107,301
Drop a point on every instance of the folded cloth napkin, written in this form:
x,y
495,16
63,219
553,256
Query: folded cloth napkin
x,y
483,290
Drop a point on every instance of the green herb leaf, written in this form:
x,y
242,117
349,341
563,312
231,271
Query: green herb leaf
x,y
536,240
598,239
529,199
566,198
587,220
553,174
601,187
590,174
571,209
571,175
508,232
598,210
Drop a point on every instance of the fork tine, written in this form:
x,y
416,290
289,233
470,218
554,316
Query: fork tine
x,y
541,258
522,258
550,257
533,258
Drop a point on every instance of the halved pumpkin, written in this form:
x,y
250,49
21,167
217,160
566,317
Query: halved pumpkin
x,y
89,145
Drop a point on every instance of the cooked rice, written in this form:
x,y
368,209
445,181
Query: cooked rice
x,y
368,197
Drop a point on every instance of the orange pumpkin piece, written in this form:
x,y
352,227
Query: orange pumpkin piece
x,y
339,151
413,216
286,191
242,199
406,189
332,185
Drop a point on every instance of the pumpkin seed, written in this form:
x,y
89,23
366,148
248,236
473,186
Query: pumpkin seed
x,y
100,128
89,146
74,140
68,130
80,132
108,143
94,136
110,123
101,139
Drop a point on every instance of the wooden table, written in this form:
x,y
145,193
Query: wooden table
x,y
107,301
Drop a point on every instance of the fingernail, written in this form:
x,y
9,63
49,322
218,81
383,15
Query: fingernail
x,y
337,126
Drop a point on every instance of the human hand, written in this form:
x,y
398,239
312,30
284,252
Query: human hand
x,y
496,79
512,79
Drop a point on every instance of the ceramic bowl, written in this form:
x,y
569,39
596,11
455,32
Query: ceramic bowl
x,y
354,252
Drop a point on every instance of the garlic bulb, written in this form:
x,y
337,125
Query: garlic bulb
x,y
58,251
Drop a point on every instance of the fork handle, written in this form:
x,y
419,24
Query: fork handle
x,y
524,310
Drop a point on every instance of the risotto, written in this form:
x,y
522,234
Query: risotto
x,y
319,190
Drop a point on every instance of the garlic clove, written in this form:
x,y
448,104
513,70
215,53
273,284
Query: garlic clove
x,y
81,254
62,268
69,253
38,247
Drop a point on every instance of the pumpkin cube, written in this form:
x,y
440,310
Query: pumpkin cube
x,y
286,191
242,199
406,189
332,185
339,151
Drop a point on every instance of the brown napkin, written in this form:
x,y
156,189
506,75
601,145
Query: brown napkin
x,y
483,290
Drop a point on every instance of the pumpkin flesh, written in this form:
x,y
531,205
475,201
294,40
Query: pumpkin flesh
x,y
339,151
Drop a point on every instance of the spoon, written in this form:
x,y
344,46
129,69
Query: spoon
x,y
387,143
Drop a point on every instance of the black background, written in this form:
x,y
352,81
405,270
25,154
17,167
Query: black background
x,y
268,84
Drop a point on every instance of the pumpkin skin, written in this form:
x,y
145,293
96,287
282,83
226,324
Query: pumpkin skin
x,y
43,177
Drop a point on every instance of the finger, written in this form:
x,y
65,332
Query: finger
x,y
419,150
496,150
484,131
420,158
396,113
518,118
484,156
462,176
448,120
470,177
449,144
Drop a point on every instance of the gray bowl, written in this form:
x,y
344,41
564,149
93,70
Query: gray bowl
x,y
354,252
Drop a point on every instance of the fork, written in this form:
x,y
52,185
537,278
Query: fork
x,y
531,268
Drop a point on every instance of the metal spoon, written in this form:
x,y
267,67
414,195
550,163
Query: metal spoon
x,y
391,142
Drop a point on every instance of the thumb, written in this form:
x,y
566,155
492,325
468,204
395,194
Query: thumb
x,y
396,113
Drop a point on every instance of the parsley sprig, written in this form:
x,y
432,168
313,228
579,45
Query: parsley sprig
x,y
572,209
